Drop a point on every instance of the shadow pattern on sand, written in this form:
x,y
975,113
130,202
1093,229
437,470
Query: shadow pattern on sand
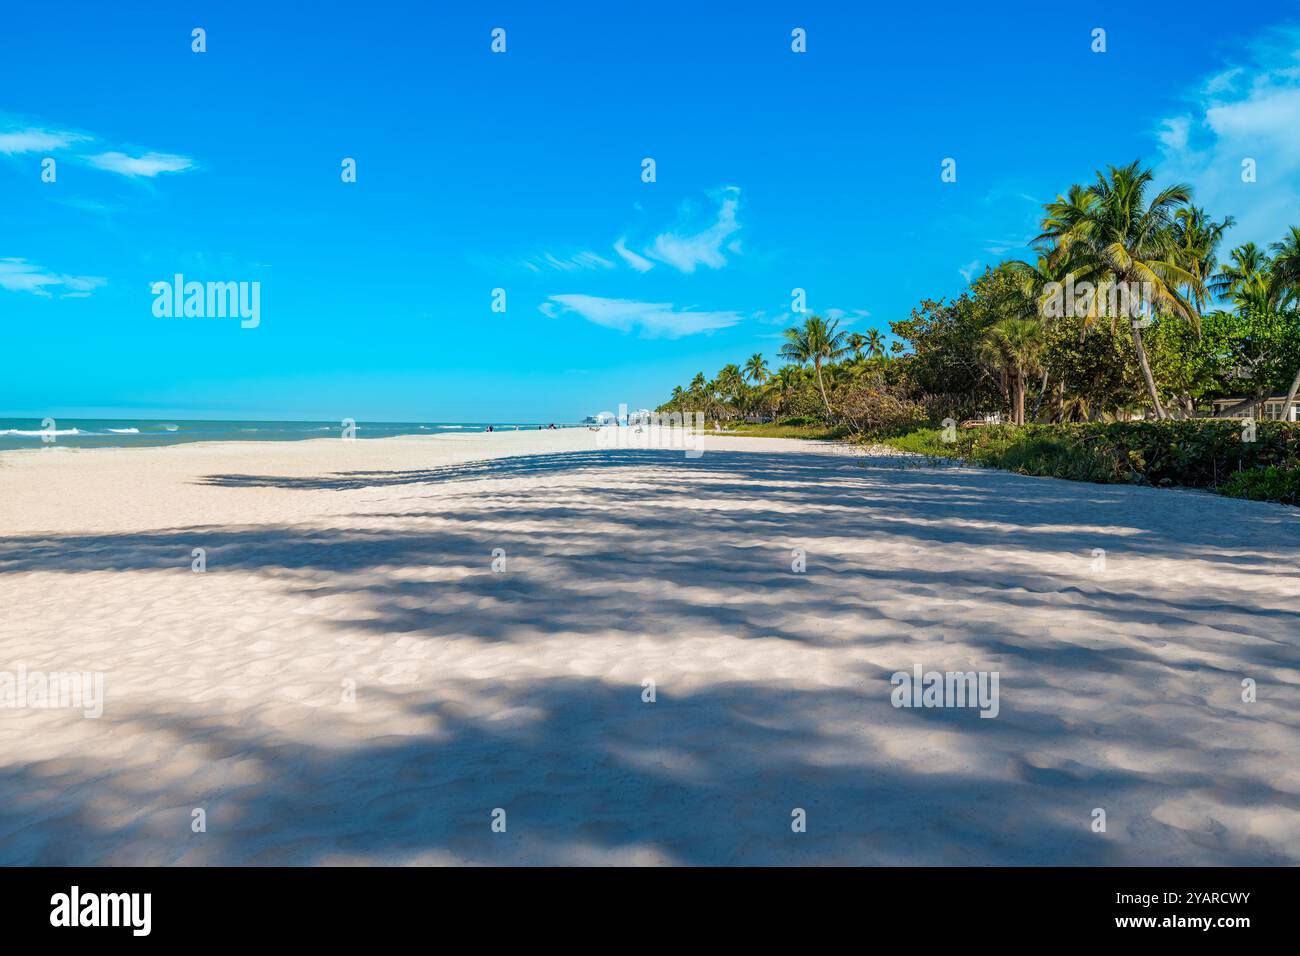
x,y
622,561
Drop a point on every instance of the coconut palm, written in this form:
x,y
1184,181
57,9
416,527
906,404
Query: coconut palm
x,y
1013,349
756,369
1033,294
1248,278
856,342
1113,236
875,344
1197,238
729,387
729,380
1286,268
817,342
1286,287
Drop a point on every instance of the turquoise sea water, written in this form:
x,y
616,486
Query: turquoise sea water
x,y
129,433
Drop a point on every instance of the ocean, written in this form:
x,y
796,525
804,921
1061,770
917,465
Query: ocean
x,y
75,432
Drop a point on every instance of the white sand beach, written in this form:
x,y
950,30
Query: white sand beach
x,y
368,564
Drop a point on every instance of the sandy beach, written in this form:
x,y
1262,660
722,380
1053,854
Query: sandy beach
x,y
351,681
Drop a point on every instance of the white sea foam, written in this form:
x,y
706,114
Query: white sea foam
x,y
19,433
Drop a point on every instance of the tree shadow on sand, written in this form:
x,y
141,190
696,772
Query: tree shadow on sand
x,y
588,773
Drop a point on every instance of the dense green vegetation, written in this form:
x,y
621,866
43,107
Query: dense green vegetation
x,y
1265,484
1193,454
1126,312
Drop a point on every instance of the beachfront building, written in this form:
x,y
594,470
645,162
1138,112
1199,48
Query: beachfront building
x,y
1269,409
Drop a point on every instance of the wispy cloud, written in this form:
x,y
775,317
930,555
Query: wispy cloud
x,y
1246,110
968,270
19,135
1000,247
639,263
845,316
651,319
19,275
547,262
89,205
37,140
149,165
687,246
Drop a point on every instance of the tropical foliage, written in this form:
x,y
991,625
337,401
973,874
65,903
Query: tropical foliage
x,y
1130,308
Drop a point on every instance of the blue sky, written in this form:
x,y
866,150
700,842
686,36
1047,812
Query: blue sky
x,y
522,171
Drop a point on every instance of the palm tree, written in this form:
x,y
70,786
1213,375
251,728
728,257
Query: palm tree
x,y
756,369
1112,236
1248,280
782,385
1013,348
1286,268
1286,287
875,344
817,341
856,342
1033,293
729,386
1197,238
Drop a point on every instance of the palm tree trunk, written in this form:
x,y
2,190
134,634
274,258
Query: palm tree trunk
x,y
1042,392
1290,397
1146,372
1020,399
830,416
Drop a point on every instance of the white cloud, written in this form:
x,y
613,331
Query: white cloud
x,y
570,263
686,248
639,263
968,270
19,275
685,251
652,319
1174,133
18,136
37,141
845,317
1247,110
150,164
1000,247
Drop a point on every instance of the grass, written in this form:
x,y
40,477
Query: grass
x,y
786,430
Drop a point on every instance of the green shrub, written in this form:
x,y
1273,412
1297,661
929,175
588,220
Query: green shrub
x,y
1196,453
1265,484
